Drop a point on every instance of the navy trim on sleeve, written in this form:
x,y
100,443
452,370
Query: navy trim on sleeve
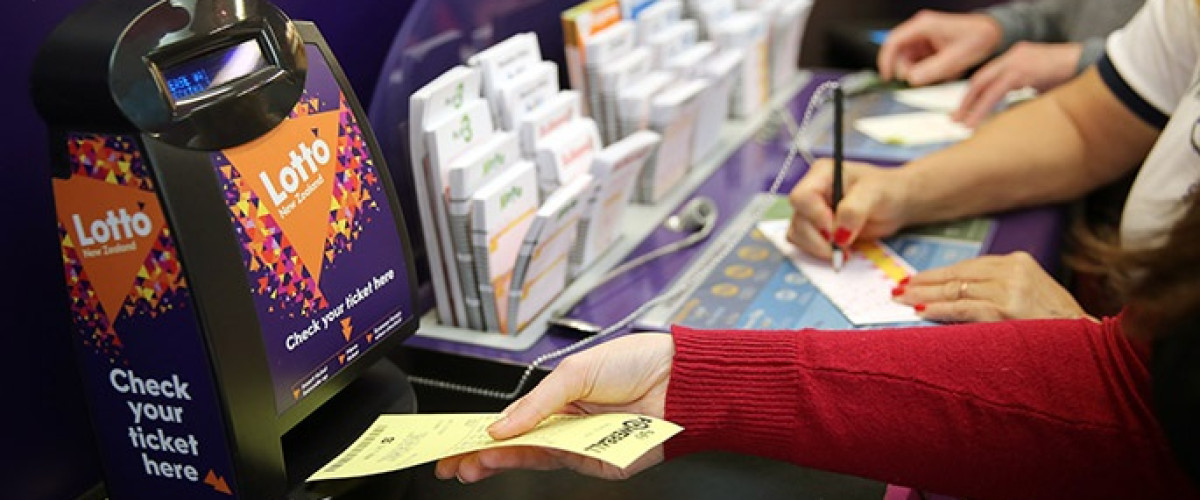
x,y
1131,99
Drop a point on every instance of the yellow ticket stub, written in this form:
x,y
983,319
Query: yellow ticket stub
x,y
397,442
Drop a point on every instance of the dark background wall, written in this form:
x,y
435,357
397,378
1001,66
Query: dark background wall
x,y
44,432
828,15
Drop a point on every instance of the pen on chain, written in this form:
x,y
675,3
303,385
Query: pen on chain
x,y
839,257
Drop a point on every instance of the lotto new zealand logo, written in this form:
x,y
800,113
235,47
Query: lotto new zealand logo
x,y
110,228
119,227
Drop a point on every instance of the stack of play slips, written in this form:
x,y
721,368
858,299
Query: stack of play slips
x,y
469,175
496,174
540,273
515,78
566,155
615,172
673,115
709,13
524,223
535,126
746,31
619,74
673,40
633,101
603,49
720,72
447,117
501,212
787,20
656,18
580,24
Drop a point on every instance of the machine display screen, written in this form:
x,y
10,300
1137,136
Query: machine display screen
x,y
212,69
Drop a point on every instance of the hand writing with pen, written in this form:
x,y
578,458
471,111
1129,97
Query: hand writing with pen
x,y
880,201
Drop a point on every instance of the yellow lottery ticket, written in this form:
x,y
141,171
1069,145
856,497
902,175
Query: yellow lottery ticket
x,y
397,442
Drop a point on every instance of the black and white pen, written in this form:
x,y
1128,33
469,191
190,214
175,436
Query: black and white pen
x,y
839,257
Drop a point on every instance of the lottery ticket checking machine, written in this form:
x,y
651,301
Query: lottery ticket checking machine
x,y
234,255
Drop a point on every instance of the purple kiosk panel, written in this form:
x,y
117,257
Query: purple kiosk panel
x,y
327,277
153,401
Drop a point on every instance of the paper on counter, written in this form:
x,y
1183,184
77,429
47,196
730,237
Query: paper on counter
x,y
862,290
947,97
912,129
397,442
944,98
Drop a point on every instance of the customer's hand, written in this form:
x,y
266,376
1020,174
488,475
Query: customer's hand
x,y
872,207
988,288
932,47
1041,66
625,375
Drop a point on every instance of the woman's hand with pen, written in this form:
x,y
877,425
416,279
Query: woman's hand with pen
x,y
872,206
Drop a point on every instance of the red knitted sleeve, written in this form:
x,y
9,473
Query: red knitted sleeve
x,y
1031,409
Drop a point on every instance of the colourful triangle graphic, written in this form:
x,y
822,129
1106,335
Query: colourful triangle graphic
x,y
113,228
217,482
292,170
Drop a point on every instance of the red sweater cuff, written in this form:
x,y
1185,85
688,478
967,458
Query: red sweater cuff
x,y
761,365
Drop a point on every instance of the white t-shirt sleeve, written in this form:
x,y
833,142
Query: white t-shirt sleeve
x,y
1151,66
1156,53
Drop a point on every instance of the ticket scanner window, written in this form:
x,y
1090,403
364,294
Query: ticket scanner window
x,y
236,261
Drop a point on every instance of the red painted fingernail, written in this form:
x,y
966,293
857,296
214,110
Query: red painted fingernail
x,y
842,236
824,234
919,307
896,292
905,280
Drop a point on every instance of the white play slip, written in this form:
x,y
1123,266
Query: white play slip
x,y
944,97
912,129
862,290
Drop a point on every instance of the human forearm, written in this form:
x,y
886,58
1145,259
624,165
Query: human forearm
x,y
1008,163
712,379
1026,21
1059,404
1052,149
1092,51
